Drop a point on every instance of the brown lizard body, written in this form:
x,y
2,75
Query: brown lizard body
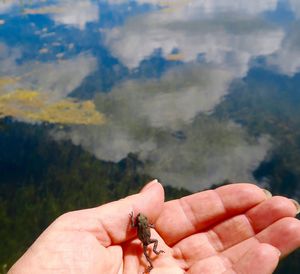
x,y
144,234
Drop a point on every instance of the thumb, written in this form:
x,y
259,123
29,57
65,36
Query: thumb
x,y
110,223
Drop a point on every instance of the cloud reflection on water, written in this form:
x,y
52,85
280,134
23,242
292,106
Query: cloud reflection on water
x,y
286,59
295,7
171,101
225,34
212,6
213,151
159,121
6,6
76,13
8,57
61,77
56,78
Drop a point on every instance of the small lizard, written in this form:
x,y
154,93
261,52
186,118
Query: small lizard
x,y
144,234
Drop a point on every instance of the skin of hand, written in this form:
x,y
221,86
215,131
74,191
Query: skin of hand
x,y
234,229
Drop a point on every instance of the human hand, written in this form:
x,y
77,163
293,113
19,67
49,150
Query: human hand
x,y
233,229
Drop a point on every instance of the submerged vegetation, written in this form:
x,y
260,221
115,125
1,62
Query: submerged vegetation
x,y
34,106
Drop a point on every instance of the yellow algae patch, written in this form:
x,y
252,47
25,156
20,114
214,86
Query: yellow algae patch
x,y
20,103
32,106
69,111
21,96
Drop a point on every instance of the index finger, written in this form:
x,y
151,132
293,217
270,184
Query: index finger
x,y
197,212
110,223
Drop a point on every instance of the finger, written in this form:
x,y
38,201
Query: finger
x,y
271,210
244,226
110,223
132,256
234,230
191,214
283,235
260,259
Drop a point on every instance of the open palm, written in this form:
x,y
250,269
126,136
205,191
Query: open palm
x,y
233,229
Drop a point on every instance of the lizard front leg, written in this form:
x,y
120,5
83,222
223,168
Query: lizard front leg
x,y
132,219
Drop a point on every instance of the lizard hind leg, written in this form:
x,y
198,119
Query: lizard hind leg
x,y
148,259
155,246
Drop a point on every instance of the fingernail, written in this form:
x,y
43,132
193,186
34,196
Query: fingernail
x,y
296,205
278,252
267,193
149,185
